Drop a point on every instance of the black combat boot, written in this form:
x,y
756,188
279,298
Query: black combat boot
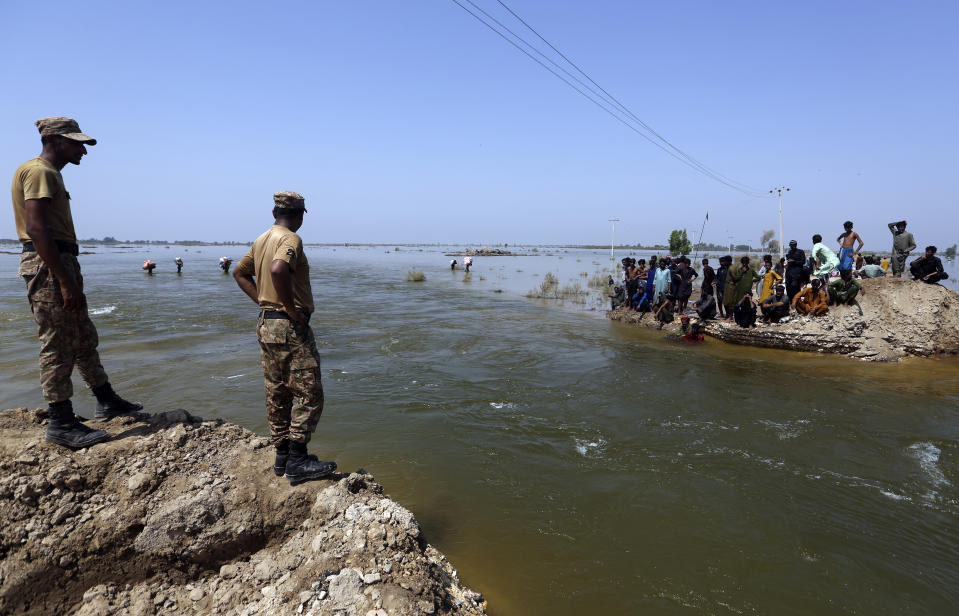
x,y
301,466
282,453
65,429
110,405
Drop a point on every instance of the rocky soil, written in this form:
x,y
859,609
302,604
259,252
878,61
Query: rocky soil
x,y
177,515
900,318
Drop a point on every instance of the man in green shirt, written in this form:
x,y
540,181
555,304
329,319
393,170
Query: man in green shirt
x,y
739,282
844,289
49,265
902,244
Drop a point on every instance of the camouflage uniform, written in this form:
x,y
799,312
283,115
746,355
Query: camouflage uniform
x,y
42,214
66,338
291,363
291,378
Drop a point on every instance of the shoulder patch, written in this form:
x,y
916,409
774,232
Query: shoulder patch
x,y
290,252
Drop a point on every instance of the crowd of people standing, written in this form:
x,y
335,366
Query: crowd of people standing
x,y
739,292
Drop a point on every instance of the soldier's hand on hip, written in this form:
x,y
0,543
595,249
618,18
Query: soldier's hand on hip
x,y
296,316
73,298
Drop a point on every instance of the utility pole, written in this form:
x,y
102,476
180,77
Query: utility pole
x,y
612,243
780,190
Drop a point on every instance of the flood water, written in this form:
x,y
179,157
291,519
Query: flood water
x,y
565,464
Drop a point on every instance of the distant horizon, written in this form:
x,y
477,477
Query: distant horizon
x,y
415,122
698,246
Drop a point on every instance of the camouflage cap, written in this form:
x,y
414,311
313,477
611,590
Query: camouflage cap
x,y
289,200
66,127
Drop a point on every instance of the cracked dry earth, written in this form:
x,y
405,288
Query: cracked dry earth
x,y
177,515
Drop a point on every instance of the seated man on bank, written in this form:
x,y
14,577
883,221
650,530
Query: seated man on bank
x,y
871,269
844,289
639,301
663,310
706,306
776,306
745,311
617,298
928,268
812,300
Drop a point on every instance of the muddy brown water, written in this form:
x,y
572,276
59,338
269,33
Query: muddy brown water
x,y
565,464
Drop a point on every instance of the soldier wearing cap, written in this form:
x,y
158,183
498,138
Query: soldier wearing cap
x,y
276,275
49,265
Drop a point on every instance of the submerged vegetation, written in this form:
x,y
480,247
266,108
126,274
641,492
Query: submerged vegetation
x,y
550,289
598,281
547,288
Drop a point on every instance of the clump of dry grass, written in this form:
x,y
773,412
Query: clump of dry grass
x,y
550,289
598,281
571,291
547,289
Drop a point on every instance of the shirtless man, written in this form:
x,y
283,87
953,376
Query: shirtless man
x,y
846,252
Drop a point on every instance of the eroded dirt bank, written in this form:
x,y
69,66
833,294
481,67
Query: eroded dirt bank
x,y
900,318
177,515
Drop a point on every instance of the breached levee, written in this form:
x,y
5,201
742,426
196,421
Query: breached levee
x,y
900,318
176,515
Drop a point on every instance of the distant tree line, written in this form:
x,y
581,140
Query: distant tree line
x,y
112,240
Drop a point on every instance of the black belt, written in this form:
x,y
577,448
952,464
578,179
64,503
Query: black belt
x,y
67,247
279,314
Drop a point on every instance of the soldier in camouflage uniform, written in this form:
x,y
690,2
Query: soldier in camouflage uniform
x,y
276,275
49,265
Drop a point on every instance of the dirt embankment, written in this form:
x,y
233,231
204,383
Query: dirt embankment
x,y
177,515
900,318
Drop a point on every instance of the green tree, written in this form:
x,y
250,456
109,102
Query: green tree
x,y
678,243
951,252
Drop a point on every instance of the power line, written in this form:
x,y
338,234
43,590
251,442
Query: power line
x,y
541,54
708,170
609,103
564,80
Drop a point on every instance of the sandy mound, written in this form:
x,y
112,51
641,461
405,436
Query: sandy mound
x,y
177,515
899,318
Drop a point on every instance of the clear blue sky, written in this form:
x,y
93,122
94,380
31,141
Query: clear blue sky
x,y
412,122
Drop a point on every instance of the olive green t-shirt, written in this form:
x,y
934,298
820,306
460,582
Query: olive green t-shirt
x,y
278,243
38,179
